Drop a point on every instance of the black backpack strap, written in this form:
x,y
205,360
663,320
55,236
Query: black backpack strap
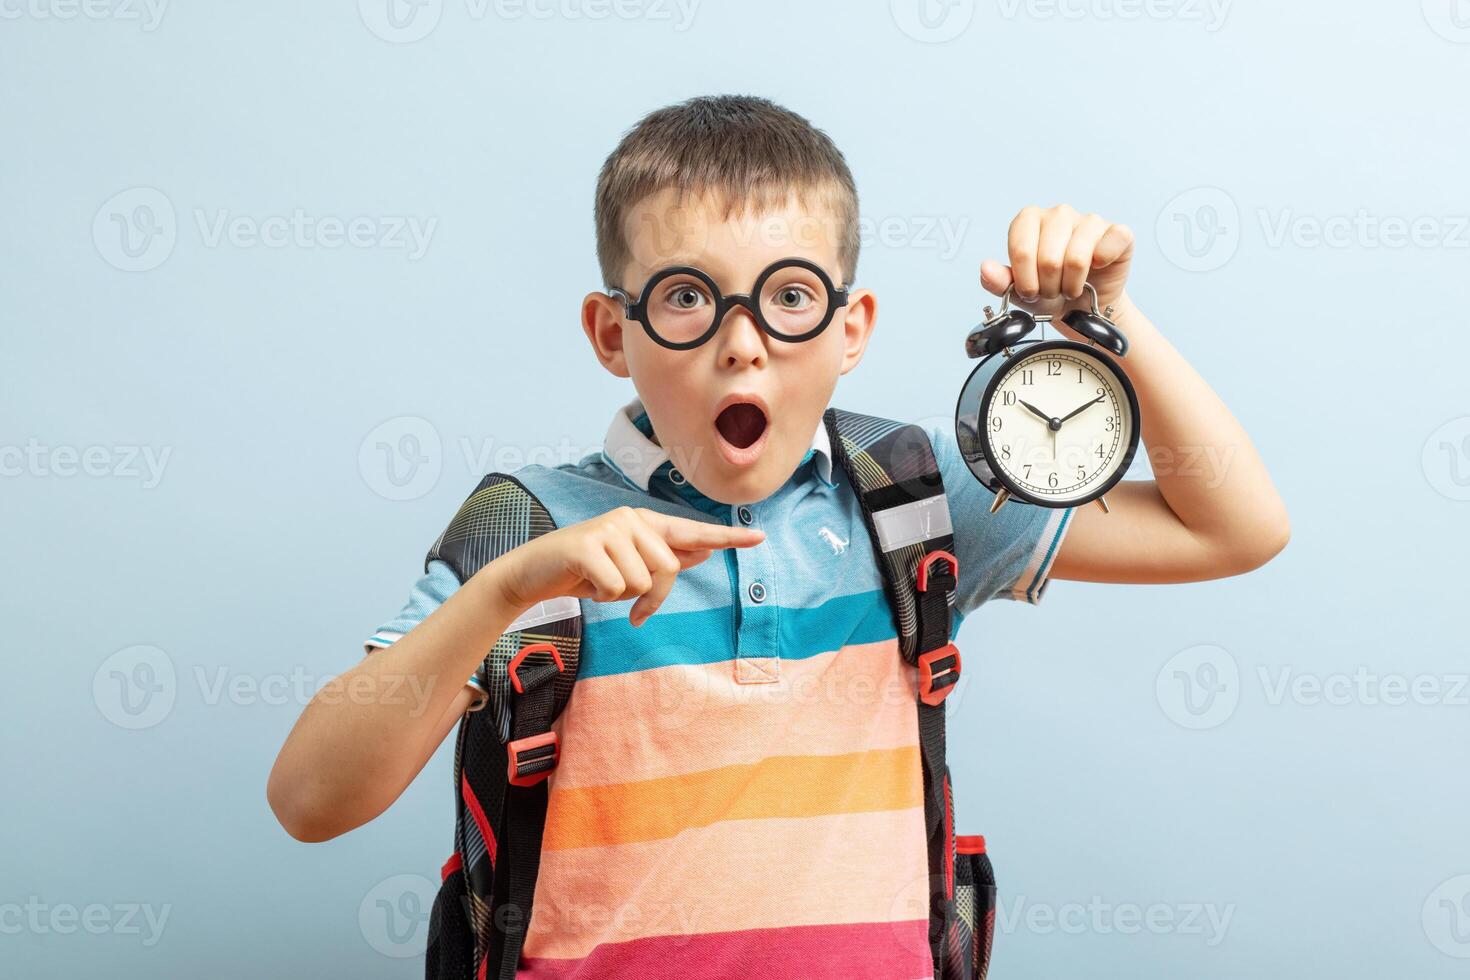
x,y
892,469
504,752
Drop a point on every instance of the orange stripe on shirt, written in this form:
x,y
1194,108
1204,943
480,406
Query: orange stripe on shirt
x,y
742,874
781,786
674,720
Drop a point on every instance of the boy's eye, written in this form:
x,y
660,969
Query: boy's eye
x,y
793,297
686,297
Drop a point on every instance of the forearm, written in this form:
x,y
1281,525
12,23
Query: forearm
x,y
1206,469
365,736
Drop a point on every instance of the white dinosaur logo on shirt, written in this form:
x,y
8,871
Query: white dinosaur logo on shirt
x,y
837,544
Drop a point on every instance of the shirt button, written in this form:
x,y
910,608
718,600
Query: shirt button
x,y
757,592
745,515
676,478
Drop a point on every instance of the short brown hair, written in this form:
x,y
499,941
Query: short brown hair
x,y
746,151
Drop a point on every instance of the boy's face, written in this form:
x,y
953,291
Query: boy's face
x,y
738,413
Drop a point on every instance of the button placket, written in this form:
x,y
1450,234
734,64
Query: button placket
x,y
757,659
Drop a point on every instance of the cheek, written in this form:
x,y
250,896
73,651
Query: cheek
x,y
811,375
666,380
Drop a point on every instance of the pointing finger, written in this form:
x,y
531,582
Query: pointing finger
x,y
684,534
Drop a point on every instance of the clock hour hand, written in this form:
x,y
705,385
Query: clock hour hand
x,y
1036,411
1079,411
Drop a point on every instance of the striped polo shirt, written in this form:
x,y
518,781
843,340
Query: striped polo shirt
x,y
740,790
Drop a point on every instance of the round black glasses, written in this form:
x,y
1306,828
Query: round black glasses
x,y
681,307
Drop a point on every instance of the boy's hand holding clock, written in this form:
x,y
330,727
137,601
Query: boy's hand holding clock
x,y
1074,409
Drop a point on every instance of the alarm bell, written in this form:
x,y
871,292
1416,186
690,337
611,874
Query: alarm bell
x,y
1002,330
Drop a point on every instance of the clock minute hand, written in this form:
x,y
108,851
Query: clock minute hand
x,y
1079,411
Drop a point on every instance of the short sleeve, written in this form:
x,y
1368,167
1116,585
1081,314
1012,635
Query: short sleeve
x,y
437,584
1005,555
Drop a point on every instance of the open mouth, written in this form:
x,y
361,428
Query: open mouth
x,y
742,427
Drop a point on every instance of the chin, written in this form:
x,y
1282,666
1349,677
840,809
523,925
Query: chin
x,y
746,485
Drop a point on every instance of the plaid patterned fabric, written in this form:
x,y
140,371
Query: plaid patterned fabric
x,y
499,515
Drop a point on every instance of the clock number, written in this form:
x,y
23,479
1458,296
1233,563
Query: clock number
x,y
1005,452
1051,480
1028,376
1079,375
1098,453
1102,392
1028,471
1008,398
1108,424
1053,369
995,423
1081,474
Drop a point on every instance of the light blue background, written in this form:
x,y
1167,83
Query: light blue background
x,y
270,548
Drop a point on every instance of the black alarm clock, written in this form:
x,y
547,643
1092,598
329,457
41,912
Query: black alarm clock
x,y
1049,422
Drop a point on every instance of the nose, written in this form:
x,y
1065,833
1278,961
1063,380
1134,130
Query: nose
x,y
740,339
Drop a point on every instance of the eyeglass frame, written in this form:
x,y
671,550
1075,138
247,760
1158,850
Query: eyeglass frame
x,y
638,309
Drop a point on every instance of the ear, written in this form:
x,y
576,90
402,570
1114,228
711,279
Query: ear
x,y
602,322
860,316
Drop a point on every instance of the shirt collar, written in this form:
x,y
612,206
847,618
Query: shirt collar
x,y
630,451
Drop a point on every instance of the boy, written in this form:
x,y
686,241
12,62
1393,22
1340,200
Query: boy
x,y
738,789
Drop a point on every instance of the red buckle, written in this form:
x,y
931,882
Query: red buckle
x,y
532,758
520,658
969,844
932,557
937,677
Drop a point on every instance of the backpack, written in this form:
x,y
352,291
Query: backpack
x,y
504,752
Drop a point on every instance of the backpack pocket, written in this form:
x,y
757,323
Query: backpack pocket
x,y
451,951
974,900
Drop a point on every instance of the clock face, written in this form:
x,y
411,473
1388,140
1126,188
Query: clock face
x,y
1059,424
